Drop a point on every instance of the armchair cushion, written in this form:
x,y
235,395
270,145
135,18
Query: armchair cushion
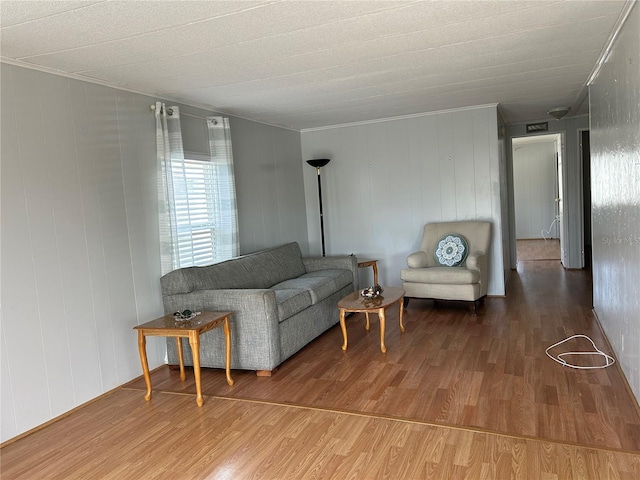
x,y
451,250
441,275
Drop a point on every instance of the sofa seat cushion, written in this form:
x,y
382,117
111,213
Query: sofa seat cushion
x,y
320,284
441,275
291,301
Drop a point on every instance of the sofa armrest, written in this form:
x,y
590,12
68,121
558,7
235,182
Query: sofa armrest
x,y
418,260
348,262
254,320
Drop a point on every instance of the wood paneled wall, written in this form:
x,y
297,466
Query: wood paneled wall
x,y
79,237
79,242
271,209
615,189
387,179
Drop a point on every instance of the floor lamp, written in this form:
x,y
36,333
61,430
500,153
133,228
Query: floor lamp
x,y
319,163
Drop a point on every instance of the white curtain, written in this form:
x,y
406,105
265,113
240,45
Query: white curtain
x,y
170,151
197,199
226,213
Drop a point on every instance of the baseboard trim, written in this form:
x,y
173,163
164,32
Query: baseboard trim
x,y
617,364
69,412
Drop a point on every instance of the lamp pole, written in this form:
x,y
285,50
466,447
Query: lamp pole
x,y
319,163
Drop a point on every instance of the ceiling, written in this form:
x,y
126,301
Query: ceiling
x,y
308,64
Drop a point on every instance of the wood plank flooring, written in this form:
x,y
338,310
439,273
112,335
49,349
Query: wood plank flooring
x,y
487,372
538,249
454,397
122,437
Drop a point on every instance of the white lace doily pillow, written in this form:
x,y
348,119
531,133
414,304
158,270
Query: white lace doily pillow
x,y
451,250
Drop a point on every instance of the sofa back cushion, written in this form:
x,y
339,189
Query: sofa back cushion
x,y
256,270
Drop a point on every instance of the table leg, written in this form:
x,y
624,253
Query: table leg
x,y
343,327
374,265
401,302
367,326
227,334
142,348
194,341
382,318
180,358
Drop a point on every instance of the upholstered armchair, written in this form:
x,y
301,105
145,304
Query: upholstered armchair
x,y
451,264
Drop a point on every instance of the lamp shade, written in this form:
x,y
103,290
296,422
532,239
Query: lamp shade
x,y
318,162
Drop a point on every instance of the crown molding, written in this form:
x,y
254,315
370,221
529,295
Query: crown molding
x,y
400,117
604,54
209,108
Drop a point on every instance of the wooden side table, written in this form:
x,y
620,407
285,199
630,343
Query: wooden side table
x,y
168,326
373,264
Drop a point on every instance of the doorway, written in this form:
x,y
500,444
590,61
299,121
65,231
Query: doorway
x,y
538,194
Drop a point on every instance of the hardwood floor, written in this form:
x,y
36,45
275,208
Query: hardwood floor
x,y
538,249
122,437
454,397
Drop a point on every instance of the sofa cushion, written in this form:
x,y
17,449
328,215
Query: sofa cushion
x,y
256,270
340,276
451,250
320,284
291,301
442,275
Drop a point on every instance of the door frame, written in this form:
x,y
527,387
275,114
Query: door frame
x,y
560,177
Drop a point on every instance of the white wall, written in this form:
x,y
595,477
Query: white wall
x,y
535,189
80,262
271,209
387,179
615,190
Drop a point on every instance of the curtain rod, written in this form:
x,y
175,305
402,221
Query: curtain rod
x,y
170,112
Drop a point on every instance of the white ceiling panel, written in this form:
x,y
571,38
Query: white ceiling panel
x,y
310,100
127,19
354,74
304,64
369,60
35,10
143,30
514,85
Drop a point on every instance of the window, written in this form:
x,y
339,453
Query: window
x,y
194,200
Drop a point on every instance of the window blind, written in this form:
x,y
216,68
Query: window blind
x,y
194,199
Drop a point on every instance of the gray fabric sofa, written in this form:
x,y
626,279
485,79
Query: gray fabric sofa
x,y
280,301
